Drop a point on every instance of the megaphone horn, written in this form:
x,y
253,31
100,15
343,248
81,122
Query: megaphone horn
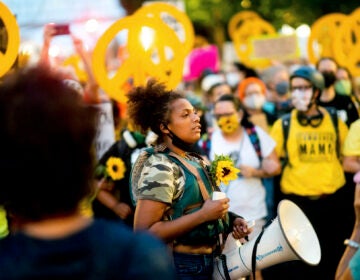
x,y
290,236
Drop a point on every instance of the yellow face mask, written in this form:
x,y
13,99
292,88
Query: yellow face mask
x,y
228,124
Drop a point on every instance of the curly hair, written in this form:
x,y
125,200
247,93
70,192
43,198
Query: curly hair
x,y
46,145
149,106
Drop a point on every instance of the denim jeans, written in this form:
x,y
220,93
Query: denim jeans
x,y
191,266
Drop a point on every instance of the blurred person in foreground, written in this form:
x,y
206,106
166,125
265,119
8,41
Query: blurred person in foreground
x,y
171,184
46,162
349,265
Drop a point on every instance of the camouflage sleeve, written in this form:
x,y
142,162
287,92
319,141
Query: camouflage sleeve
x,y
160,179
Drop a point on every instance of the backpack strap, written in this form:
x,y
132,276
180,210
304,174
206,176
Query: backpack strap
x,y
285,121
254,139
334,118
195,172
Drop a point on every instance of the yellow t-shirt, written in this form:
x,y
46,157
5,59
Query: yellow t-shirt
x,y
313,166
352,141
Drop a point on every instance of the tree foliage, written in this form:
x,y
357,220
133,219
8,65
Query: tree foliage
x,y
215,14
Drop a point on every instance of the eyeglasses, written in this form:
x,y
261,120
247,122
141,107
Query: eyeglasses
x,y
218,116
301,88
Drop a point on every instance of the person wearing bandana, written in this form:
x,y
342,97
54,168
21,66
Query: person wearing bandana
x,y
170,183
313,177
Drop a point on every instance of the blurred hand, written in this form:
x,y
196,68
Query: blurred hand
x,y
269,165
247,171
49,32
122,210
105,185
78,44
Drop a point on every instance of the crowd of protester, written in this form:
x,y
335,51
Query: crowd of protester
x,y
292,130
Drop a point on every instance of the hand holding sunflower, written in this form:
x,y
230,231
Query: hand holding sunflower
x,y
222,170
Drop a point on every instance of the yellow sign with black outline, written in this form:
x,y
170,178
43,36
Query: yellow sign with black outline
x,y
12,36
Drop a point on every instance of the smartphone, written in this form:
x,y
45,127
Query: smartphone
x,y
62,29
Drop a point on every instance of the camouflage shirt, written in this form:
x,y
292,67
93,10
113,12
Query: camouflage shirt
x,y
156,177
161,179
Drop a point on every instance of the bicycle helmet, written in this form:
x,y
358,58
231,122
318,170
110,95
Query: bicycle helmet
x,y
310,74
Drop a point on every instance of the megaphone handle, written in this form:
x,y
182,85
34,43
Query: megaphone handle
x,y
253,257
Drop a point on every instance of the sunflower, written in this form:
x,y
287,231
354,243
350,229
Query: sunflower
x,y
115,168
222,170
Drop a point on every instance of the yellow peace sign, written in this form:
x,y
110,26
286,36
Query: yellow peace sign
x,y
8,58
347,44
242,39
140,64
113,85
164,56
186,35
238,19
323,33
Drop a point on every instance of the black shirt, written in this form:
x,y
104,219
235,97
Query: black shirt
x,y
345,107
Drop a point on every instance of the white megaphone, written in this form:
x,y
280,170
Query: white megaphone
x,y
289,237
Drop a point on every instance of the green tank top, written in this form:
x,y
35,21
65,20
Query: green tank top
x,y
191,201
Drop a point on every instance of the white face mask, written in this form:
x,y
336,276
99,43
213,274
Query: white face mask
x,y
254,101
301,99
232,79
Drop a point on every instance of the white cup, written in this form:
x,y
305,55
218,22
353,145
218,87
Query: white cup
x,y
218,195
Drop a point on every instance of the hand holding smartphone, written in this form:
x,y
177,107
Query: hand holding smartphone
x,y
61,29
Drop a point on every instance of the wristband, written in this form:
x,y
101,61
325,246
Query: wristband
x,y
351,243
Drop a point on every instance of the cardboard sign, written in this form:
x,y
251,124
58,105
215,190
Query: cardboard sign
x,y
278,47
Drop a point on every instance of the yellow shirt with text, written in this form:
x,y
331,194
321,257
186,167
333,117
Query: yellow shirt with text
x,y
313,166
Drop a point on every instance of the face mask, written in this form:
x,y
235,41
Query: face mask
x,y
282,88
343,87
254,101
329,78
232,79
228,124
301,100
177,142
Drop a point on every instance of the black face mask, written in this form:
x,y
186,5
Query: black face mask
x,y
282,88
177,142
329,78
